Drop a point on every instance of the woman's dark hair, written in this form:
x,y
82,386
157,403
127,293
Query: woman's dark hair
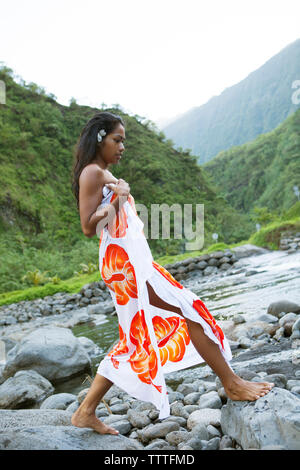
x,y
86,147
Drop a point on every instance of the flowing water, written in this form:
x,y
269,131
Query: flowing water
x,y
277,277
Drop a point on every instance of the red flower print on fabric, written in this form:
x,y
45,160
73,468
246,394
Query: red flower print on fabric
x,y
143,361
167,275
207,316
118,274
120,348
172,338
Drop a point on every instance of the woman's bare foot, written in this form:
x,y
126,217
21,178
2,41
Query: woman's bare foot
x,y
238,389
85,420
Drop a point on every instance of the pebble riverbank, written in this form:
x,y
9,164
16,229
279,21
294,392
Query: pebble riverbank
x,y
42,351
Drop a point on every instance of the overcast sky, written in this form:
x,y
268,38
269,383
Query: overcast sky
x,y
156,58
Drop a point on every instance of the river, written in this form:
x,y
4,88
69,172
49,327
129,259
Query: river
x,y
277,277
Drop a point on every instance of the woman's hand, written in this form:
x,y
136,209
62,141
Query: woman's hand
x,y
121,188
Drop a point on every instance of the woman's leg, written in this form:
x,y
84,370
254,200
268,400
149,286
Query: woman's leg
x,y
84,416
235,387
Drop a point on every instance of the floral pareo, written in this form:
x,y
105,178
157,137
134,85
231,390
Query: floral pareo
x,y
151,341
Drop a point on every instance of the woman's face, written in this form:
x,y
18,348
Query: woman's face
x,y
112,147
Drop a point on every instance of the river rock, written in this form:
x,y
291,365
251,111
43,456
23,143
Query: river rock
x,y
59,401
200,431
251,330
138,419
205,416
177,409
187,388
158,430
53,352
91,348
210,400
49,437
175,437
289,317
271,420
26,418
174,396
248,250
25,388
159,444
296,330
191,398
275,308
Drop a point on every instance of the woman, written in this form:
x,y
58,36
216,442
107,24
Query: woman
x,y
162,325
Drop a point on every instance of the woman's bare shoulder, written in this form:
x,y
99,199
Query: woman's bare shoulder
x,y
93,172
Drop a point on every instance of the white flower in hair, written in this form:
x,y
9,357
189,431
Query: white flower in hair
x,y
101,134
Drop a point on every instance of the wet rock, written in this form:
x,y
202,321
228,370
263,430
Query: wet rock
x,y
271,420
26,388
53,352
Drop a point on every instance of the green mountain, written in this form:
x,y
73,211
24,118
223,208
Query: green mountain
x,y
39,222
254,106
261,173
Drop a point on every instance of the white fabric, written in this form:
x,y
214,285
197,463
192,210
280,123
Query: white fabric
x,y
152,341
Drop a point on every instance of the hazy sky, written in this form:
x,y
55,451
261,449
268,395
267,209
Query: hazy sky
x,y
156,58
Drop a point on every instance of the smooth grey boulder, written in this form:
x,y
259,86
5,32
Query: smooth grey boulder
x,y
49,437
275,308
59,401
158,430
271,420
204,416
27,418
210,400
138,419
296,329
248,250
25,388
91,348
53,352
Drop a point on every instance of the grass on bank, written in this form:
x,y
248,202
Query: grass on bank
x,y
267,237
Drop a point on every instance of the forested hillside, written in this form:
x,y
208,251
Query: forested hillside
x,y
261,173
39,223
254,106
